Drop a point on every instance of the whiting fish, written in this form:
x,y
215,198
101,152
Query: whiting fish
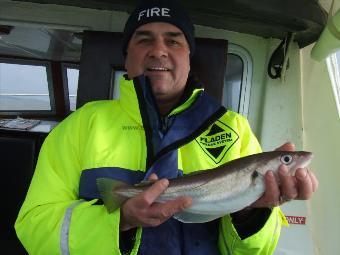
x,y
215,192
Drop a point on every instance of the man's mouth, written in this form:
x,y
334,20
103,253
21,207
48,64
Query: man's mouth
x,y
158,69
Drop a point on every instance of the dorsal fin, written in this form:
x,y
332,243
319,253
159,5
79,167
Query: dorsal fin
x,y
145,183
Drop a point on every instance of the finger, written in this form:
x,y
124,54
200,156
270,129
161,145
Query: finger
x,y
164,211
272,190
160,212
149,196
289,190
288,146
314,180
173,206
304,184
270,198
153,177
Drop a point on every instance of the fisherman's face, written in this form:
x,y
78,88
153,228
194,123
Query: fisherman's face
x,y
161,52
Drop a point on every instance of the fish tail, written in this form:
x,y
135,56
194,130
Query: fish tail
x,y
107,187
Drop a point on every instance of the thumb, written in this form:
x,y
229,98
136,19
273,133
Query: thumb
x,y
288,146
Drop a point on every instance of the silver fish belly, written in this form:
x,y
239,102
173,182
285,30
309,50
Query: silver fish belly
x,y
215,192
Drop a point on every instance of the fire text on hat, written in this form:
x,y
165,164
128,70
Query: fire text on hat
x,y
155,11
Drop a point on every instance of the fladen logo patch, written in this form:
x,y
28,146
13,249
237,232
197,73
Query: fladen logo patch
x,y
217,140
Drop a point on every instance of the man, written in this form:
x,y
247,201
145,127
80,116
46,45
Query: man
x,y
63,212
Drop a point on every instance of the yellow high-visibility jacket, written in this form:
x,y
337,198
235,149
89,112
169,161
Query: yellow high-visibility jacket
x,y
125,139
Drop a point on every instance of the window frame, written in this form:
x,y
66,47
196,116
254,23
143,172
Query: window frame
x,y
31,62
247,73
64,66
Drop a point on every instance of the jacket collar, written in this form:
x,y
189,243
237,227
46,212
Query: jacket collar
x,y
133,92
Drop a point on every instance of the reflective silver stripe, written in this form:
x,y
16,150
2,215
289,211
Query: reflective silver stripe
x,y
65,228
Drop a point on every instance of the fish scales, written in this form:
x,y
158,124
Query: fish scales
x,y
215,192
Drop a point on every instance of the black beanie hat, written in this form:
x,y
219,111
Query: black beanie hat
x,y
168,11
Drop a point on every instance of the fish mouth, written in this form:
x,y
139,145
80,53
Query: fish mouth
x,y
304,161
308,159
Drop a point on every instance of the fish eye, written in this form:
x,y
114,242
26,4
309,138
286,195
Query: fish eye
x,y
286,159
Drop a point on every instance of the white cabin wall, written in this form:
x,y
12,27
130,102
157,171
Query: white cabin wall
x,y
322,137
282,120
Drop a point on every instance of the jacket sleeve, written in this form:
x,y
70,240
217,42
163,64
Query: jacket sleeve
x,y
261,243
52,219
264,241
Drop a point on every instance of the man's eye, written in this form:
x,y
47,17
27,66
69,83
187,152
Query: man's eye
x,y
173,42
144,40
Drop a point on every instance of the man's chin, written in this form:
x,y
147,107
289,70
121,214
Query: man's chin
x,y
159,88
159,93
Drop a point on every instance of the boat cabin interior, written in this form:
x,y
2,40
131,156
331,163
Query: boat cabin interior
x,y
55,56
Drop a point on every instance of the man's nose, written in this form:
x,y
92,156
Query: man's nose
x,y
158,50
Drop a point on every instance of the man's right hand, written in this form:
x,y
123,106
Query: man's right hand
x,y
143,211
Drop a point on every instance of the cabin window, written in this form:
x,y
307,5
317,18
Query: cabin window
x,y
71,77
237,83
333,64
25,86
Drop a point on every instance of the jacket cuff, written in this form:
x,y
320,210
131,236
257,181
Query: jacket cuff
x,y
249,221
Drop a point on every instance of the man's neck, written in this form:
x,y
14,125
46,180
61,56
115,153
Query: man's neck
x,y
166,105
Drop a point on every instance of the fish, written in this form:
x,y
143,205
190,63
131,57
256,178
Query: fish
x,y
215,192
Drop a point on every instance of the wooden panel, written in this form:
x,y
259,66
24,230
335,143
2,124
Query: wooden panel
x,y
101,53
209,65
